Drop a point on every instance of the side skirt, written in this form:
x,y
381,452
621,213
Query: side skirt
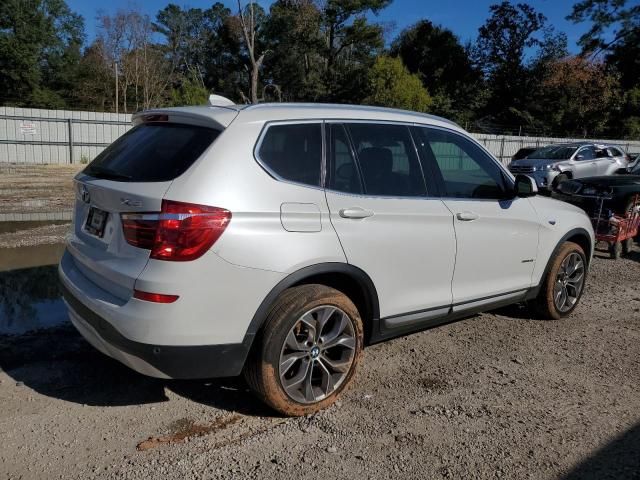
x,y
399,325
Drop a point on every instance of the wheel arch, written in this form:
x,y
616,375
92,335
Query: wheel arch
x,y
350,280
579,236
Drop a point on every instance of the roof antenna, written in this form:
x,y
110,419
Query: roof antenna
x,y
219,101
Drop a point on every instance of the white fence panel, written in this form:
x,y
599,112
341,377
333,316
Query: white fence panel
x,y
30,135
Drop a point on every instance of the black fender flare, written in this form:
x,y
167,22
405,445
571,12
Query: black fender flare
x,y
533,293
365,283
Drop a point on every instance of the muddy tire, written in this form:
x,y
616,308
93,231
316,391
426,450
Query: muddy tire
x,y
308,351
563,284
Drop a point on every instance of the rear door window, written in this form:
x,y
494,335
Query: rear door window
x,y
152,152
344,175
293,152
387,160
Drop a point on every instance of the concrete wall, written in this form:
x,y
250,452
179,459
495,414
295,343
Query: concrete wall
x,y
30,135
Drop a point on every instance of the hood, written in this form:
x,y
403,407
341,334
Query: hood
x,y
538,163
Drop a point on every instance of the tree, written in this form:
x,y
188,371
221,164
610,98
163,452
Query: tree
x,y
603,16
500,50
294,35
579,95
351,43
251,20
443,65
145,71
40,43
392,85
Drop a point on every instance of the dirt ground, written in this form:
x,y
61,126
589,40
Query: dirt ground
x,y
498,395
36,188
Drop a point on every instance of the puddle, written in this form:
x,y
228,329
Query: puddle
x,y
30,296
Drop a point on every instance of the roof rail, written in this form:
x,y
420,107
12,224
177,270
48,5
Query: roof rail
x,y
219,101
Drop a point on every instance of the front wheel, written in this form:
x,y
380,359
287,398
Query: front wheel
x,y
308,350
563,284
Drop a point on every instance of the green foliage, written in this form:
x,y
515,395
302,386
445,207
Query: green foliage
x,y
392,85
517,72
191,92
40,44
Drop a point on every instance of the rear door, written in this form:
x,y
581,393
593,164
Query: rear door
x,y
387,223
496,237
131,175
586,162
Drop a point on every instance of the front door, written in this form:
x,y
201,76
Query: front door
x,y
496,237
387,224
586,162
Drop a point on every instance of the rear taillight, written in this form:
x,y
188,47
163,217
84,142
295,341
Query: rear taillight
x,y
180,232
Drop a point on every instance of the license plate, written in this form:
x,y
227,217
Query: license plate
x,y
96,221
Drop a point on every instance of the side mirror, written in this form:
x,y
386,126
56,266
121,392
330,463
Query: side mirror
x,y
525,186
579,157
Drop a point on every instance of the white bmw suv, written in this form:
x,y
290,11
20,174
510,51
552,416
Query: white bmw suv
x,y
278,240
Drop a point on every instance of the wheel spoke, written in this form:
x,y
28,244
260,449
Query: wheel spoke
x,y
299,377
323,317
312,326
287,361
292,343
345,340
341,366
337,329
309,393
327,384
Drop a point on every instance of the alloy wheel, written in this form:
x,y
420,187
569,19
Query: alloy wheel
x,y
317,354
569,282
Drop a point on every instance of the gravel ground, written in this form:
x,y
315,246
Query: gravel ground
x,y
36,188
30,237
498,395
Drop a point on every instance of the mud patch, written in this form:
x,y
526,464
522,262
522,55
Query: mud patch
x,y
184,429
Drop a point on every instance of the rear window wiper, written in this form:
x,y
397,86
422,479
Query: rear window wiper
x,y
106,173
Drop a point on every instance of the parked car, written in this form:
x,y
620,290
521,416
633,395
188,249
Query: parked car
x,y
553,164
623,190
523,152
278,240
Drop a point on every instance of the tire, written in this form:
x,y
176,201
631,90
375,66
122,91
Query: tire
x,y
287,347
559,179
545,304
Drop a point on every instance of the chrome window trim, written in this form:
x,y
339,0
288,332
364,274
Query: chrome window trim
x,y
270,171
324,187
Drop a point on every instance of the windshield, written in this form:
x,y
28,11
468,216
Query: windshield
x,y
553,152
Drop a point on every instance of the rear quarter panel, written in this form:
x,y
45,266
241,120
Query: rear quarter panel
x,y
229,176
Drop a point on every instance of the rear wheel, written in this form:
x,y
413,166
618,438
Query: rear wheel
x,y
308,351
564,283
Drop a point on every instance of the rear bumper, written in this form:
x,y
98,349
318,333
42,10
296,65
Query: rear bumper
x,y
161,361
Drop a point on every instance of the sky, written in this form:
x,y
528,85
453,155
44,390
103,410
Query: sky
x,y
463,17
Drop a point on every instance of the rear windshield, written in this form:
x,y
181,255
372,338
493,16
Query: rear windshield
x,y
154,152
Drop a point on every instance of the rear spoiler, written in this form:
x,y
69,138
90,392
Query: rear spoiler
x,y
218,117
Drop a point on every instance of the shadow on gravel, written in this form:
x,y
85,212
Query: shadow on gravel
x,y
519,311
59,363
619,459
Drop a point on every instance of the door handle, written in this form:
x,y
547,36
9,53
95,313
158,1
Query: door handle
x,y
355,212
467,216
